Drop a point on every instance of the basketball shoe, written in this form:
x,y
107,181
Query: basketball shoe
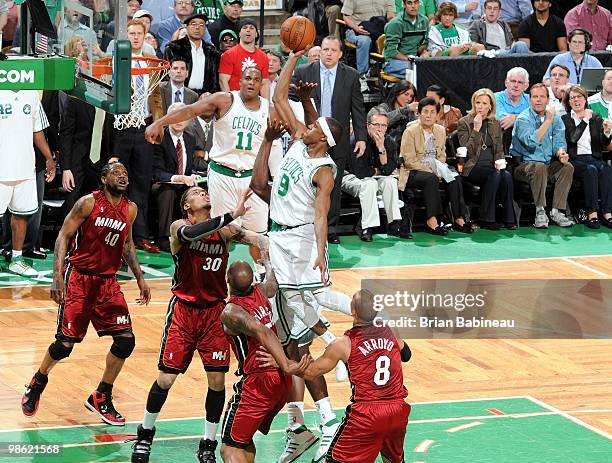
x,y
102,404
298,441
206,452
328,430
142,446
31,397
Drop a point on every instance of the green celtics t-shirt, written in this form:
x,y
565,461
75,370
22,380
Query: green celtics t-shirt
x,y
211,8
450,37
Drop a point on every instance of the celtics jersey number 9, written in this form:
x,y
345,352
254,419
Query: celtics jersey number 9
x,y
293,193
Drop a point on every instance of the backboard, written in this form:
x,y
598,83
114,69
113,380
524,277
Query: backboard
x,y
87,30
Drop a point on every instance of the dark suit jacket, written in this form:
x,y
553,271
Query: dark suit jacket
x,y
181,49
347,102
202,142
166,160
573,133
189,96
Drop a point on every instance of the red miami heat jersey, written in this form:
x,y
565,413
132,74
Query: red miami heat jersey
x,y
375,365
98,244
245,347
199,273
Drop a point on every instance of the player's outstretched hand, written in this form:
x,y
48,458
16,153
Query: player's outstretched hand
x,y
152,133
298,368
57,290
303,89
145,293
275,129
322,266
241,209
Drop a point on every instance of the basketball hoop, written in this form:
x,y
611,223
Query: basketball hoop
x,y
155,68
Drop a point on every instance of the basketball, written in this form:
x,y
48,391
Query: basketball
x,y
297,32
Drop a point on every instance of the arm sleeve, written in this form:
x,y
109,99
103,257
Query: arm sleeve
x,y
225,66
527,135
558,140
202,229
571,20
393,34
358,113
405,353
39,117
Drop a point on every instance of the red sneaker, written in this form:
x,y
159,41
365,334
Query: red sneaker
x,y
102,404
31,397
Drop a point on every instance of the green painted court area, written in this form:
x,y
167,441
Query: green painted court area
x,y
483,245
513,430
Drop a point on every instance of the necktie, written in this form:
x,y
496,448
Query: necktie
x,y
179,155
139,81
326,95
177,96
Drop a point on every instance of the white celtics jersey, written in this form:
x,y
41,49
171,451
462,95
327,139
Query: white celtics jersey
x,y
21,114
293,193
238,134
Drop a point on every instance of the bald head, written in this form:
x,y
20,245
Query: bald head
x,y
362,306
240,277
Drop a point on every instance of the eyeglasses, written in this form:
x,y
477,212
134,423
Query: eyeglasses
x,y
378,126
229,39
558,74
575,97
197,25
514,82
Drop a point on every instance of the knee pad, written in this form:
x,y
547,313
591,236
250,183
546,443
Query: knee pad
x,y
333,300
59,351
123,346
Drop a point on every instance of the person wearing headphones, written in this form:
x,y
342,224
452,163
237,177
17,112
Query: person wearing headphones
x,y
577,58
594,17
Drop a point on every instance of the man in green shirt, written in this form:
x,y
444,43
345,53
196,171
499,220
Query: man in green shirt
x,y
427,8
211,8
601,102
404,34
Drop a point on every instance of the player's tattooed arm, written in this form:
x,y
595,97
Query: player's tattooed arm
x,y
338,350
237,321
243,236
129,254
270,287
74,219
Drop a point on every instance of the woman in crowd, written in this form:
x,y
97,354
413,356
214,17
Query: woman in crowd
x,y
481,133
448,116
587,135
423,158
401,107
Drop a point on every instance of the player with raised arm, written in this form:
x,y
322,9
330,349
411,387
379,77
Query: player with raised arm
x,y
99,231
263,390
200,248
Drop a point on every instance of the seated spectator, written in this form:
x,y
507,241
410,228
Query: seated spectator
x,y
587,135
183,9
494,33
403,36
448,116
601,101
542,31
467,11
228,39
423,165
201,58
314,54
380,159
512,101
559,84
233,61
173,90
577,58
538,140
146,18
332,12
400,108
481,133
213,9
595,19
232,9
172,173
276,62
362,17
446,39
515,11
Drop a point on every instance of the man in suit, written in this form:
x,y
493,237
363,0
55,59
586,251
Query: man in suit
x,y
331,101
202,59
174,90
173,163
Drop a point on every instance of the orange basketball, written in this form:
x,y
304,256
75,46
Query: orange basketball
x,y
297,32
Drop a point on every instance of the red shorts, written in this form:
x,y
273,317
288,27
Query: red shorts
x,y
369,429
188,329
256,401
95,299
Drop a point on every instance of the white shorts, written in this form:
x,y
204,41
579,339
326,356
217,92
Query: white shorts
x,y
225,192
293,253
289,326
18,196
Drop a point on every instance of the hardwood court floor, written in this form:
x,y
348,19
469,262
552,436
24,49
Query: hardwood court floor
x,y
571,375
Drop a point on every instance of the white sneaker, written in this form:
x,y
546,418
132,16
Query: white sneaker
x,y
20,267
341,372
328,431
298,441
561,219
